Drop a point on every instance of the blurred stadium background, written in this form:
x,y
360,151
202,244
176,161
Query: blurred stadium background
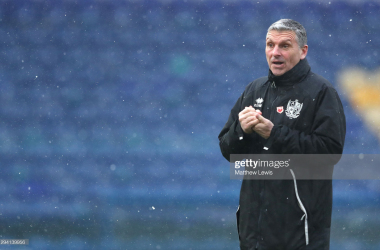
x,y
110,112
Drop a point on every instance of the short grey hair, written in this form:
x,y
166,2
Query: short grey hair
x,y
291,25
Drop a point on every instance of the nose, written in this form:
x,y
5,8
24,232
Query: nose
x,y
276,51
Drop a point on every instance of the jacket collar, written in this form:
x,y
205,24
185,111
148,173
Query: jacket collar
x,y
295,75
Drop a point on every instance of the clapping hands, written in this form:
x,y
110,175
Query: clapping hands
x,y
251,120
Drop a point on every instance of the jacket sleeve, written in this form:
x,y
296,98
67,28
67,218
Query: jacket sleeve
x,y
231,137
327,134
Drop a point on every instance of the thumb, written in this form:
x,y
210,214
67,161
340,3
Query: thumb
x,y
261,118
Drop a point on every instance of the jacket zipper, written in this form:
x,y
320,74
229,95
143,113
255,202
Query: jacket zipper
x,y
273,85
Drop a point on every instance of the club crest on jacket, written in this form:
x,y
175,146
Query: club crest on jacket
x,y
293,109
280,109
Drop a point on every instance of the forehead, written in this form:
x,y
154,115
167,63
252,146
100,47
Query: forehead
x,y
281,36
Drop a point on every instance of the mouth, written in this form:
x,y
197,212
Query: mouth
x,y
278,63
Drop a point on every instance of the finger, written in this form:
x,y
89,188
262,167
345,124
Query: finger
x,y
249,119
246,124
252,114
244,121
250,108
252,123
254,110
243,116
245,110
261,118
246,114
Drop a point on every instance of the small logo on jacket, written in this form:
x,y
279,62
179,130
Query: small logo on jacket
x,y
280,109
258,103
293,109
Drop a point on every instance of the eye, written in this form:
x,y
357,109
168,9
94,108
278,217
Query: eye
x,y
270,45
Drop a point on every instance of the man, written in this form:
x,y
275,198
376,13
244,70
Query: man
x,y
292,111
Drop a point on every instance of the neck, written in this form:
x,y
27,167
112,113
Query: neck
x,y
294,75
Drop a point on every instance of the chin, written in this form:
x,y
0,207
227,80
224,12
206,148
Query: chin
x,y
277,73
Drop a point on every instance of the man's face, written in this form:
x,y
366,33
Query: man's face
x,y
282,51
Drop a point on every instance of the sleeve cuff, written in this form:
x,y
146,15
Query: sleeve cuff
x,y
271,138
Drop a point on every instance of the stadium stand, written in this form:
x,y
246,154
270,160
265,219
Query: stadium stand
x,y
110,112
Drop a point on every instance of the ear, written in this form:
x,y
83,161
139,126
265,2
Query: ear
x,y
303,52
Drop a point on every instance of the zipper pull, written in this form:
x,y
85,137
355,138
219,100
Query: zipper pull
x,y
273,84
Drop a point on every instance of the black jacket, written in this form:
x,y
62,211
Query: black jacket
x,y
308,118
